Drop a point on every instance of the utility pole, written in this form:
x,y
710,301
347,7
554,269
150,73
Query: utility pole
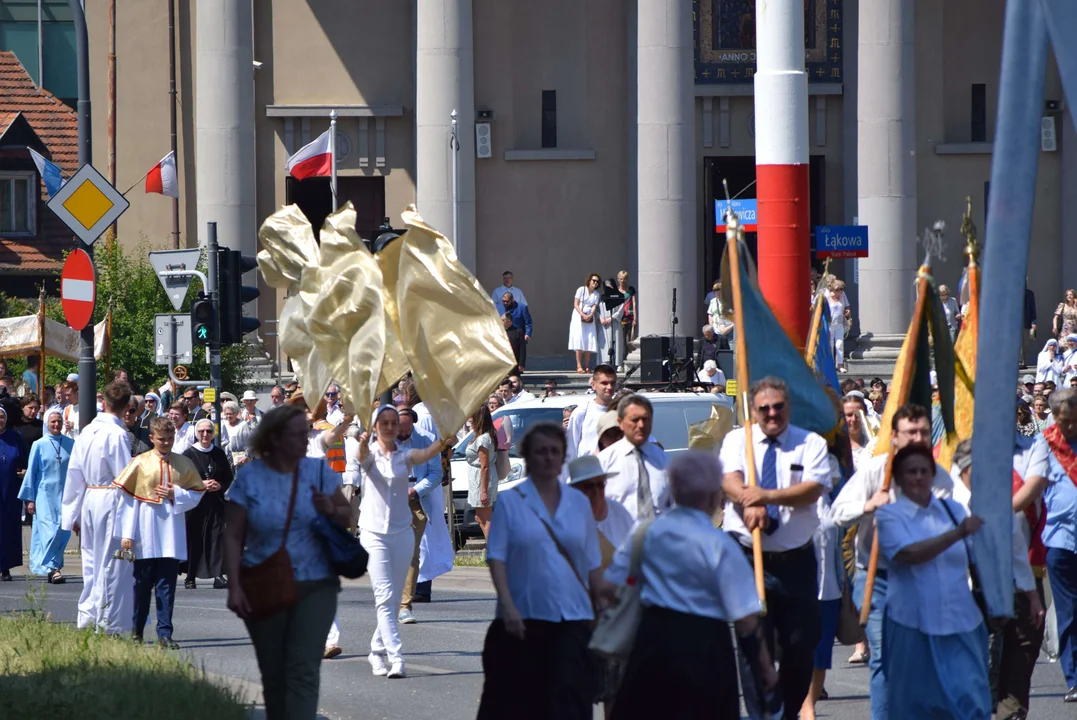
x,y
87,362
213,291
172,115
110,235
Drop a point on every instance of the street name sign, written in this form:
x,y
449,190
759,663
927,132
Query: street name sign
x,y
163,338
746,211
88,204
78,289
175,286
841,241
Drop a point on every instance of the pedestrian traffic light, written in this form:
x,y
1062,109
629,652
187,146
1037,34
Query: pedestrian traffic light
x,y
233,295
202,320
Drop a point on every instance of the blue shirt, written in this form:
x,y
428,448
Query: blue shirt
x,y
1060,497
692,567
541,583
521,317
264,494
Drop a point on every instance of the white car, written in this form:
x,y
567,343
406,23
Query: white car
x,y
673,413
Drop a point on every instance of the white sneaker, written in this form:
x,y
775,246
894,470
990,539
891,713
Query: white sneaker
x,y
406,618
397,670
377,664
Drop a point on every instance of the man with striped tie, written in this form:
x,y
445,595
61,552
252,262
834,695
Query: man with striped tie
x,y
792,470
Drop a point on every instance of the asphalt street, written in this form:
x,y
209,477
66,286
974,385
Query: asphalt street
x,y
443,652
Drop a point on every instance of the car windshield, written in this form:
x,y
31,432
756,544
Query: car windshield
x,y
520,422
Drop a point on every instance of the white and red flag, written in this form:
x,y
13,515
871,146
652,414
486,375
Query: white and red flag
x,y
315,159
162,178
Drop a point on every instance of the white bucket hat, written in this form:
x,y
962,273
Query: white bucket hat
x,y
250,395
586,467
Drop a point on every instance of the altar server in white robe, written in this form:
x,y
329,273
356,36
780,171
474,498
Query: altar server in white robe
x,y
158,487
90,505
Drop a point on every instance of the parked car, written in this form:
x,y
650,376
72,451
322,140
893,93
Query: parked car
x,y
673,413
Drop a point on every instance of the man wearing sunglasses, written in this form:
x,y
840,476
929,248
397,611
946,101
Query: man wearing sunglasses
x,y
334,413
792,470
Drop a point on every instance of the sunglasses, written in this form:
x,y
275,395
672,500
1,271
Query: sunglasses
x,y
766,409
592,486
331,394
205,432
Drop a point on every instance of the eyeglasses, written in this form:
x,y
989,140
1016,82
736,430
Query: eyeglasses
x,y
205,432
766,409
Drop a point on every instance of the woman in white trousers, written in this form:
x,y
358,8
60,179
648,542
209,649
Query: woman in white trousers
x,y
385,530
838,308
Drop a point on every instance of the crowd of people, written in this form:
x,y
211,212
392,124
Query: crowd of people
x,y
155,493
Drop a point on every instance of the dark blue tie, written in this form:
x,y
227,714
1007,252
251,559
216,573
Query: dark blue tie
x,y
769,481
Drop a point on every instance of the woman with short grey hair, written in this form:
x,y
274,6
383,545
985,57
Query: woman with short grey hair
x,y
695,582
235,434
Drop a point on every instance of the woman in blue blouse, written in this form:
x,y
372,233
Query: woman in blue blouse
x,y
288,644
934,639
43,491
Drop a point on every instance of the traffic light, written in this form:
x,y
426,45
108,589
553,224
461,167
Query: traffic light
x,y
202,320
233,295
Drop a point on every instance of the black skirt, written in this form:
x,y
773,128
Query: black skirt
x,y
682,666
546,676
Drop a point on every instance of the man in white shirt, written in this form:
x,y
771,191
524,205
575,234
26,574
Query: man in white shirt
x,y
583,423
334,413
519,394
710,374
636,466
507,287
792,471
70,391
90,508
861,495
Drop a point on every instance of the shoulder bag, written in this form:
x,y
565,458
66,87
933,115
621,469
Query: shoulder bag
x,y
347,557
270,585
615,633
991,623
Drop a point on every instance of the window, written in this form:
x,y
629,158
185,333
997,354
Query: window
x,y
979,113
17,203
549,118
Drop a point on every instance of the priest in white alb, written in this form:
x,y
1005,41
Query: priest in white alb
x,y
90,504
158,487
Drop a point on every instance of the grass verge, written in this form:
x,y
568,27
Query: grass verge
x,y
53,670
470,560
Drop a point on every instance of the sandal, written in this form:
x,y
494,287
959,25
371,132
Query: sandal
x,y
858,658
55,578
579,370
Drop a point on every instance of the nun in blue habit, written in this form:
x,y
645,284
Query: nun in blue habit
x,y
43,490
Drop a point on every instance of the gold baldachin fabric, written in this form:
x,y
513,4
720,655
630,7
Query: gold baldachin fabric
x,y
708,434
449,328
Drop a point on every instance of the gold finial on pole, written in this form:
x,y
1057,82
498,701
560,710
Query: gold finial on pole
x,y
968,229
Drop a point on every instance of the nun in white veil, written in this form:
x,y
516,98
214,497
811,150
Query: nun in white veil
x,y
1049,363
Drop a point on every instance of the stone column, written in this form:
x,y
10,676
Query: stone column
x,y
224,123
668,245
886,164
445,81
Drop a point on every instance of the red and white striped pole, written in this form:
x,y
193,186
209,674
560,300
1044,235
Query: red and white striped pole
x,y
781,158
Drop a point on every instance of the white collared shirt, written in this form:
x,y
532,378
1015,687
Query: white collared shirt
x,y
796,446
583,429
848,508
691,567
932,597
620,458
100,453
541,583
384,506
424,420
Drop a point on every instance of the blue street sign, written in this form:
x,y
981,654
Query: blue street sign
x,y
841,241
745,210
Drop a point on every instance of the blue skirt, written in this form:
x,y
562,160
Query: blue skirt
x,y
936,676
829,610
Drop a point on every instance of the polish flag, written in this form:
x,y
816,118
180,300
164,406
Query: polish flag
x,y
162,178
315,159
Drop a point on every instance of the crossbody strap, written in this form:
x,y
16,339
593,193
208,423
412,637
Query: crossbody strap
x,y
291,507
973,573
635,567
560,548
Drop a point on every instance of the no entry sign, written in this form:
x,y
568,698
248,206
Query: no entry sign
x,y
78,289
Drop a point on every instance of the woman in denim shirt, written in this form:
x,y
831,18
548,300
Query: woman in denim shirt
x,y
289,644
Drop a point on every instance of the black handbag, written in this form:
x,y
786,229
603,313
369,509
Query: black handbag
x,y
346,555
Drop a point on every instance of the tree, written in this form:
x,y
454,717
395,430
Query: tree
x,y
130,284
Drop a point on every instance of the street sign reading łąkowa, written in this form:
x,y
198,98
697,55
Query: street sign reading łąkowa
x,y
745,210
841,241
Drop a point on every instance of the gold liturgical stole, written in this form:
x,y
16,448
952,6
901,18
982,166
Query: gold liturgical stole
x,y
149,470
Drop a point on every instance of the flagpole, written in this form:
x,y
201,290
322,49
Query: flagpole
x,y
898,399
172,118
732,233
454,146
333,156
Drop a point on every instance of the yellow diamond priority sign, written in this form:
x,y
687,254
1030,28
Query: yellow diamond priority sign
x,y
88,204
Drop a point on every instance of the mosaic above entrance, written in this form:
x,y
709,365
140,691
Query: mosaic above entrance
x,y
725,40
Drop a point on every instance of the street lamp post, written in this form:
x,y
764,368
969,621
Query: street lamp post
x,y
454,146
